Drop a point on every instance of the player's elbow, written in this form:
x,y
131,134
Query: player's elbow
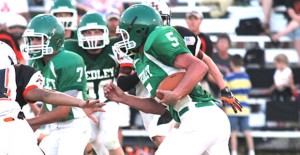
x,y
202,67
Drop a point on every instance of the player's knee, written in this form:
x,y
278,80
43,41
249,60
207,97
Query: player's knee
x,y
111,143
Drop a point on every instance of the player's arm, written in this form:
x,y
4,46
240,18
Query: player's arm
x,y
195,71
213,70
127,82
62,99
147,105
55,98
226,95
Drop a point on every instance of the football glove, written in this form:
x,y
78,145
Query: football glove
x,y
228,98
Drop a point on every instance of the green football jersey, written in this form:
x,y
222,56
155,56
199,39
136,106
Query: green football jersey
x,y
99,69
157,62
65,71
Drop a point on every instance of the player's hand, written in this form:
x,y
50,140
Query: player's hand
x,y
169,97
165,118
228,98
113,92
89,107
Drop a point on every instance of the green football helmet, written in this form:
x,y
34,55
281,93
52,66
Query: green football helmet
x,y
65,6
92,21
48,30
136,23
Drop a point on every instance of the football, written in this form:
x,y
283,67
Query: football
x,y
169,83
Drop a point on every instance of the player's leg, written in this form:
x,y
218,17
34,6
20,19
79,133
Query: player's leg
x,y
234,122
157,131
17,138
124,120
221,134
109,127
245,128
96,140
200,128
49,144
73,138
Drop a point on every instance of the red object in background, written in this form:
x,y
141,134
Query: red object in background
x,y
295,93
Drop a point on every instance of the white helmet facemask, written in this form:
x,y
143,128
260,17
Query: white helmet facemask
x,y
36,51
124,46
93,42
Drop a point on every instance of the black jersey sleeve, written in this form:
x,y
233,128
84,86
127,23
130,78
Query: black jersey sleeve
x,y
25,77
128,82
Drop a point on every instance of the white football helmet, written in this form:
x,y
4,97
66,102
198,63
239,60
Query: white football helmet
x,y
8,56
163,9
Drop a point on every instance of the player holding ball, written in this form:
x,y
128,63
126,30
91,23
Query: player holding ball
x,y
160,52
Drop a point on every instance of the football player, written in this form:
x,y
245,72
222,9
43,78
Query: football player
x,y
95,47
20,84
159,126
66,13
160,51
63,71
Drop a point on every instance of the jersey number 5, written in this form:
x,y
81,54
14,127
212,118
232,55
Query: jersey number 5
x,y
172,38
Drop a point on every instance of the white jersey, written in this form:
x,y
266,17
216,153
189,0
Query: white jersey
x,y
16,135
15,82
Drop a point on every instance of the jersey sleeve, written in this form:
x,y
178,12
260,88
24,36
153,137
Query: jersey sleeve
x,y
27,78
167,44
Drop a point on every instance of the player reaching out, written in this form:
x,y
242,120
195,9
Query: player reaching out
x,y
20,84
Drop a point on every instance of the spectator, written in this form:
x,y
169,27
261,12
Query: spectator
x,y
240,84
113,19
292,28
283,80
267,6
194,20
221,59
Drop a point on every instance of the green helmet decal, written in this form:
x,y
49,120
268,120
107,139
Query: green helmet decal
x,y
136,23
66,13
48,30
92,21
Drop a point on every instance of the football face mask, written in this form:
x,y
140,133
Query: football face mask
x,y
37,45
123,47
